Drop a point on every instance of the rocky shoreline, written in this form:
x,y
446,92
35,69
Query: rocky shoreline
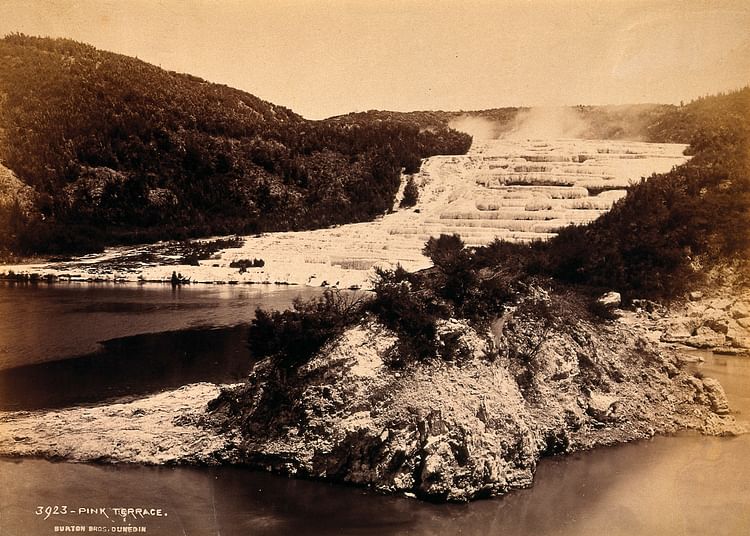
x,y
715,318
165,428
455,430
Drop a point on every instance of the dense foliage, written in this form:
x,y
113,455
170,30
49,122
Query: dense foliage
x,y
411,194
120,150
401,304
292,337
652,241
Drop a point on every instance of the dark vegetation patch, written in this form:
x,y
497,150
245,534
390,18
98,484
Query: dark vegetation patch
x,y
195,251
698,214
402,305
163,253
650,245
292,337
411,194
244,264
120,151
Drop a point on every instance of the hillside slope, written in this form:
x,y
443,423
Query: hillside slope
x,y
670,228
452,382
120,150
632,122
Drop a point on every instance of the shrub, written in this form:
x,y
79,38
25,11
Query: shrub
x,y
293,336
409,311
411,194
476,282
195,251
244,264
445,251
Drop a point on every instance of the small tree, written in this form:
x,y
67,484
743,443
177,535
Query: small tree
x,y
411,194
405,308
293,336
445,251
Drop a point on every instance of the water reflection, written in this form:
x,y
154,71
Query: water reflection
x,y
44,322
672,486
136,365
68,344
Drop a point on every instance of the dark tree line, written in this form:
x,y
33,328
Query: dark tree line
x,y
649,245
118,150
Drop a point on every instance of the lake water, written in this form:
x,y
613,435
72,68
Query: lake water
x,y
126,338
673,486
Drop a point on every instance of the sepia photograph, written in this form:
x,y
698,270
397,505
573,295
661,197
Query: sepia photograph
x,y
393,267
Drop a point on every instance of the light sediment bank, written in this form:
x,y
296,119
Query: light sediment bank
x,y
516,190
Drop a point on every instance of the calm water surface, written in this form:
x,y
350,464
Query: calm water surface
x,y
674,486
80,343
41,322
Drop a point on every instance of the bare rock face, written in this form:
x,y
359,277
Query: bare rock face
x,y
740,310
717,318
601,406
469,426
716,396
680,329
610,300
705,337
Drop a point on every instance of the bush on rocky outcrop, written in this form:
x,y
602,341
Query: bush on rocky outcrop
x,y
411,313
453,263
292,337
542,380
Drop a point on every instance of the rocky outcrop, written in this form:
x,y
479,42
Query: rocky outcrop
x,y
610,300
716,318
538,381
473,426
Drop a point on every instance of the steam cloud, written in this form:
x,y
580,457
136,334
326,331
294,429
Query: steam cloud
x,y
534,123
547,123
478,127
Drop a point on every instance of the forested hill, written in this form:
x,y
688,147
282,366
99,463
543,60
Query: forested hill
x,y
670,229
638,122
698,215
117,150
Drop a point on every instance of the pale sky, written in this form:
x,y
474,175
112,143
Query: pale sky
x,y
322,58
